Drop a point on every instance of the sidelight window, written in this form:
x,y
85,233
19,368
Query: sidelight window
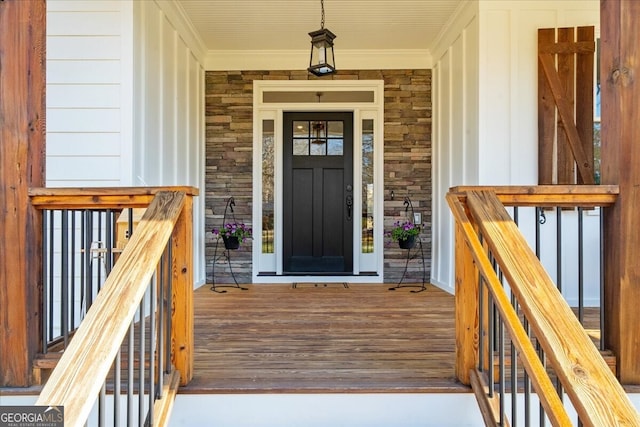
x,y
268,147
367,186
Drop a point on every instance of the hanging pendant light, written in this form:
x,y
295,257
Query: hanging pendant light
x,y
322,61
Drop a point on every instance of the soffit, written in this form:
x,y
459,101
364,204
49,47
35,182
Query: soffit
x,y
276,25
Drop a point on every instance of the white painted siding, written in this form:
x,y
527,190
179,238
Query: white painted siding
x,y
168,107
455,131
485,116
87,138
125,99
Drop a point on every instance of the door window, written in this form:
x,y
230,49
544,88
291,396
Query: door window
x,y
318,138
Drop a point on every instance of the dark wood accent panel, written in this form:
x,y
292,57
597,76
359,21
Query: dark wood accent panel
x,y
22,160
584,95
566,71
546,114
557,94
620,70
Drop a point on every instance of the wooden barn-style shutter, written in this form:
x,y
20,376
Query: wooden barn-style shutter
x,y
565,105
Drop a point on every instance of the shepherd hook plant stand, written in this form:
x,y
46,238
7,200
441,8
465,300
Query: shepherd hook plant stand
x,y
417,252
226,253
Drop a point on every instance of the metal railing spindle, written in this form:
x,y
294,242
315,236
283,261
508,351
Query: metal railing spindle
x,y
152,345
141,355
64,276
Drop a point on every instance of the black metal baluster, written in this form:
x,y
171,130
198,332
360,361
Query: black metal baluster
x,y
602,294
83,263
169,307
64,276
491,342
152,347
45,298
501,364
161,319
542,358
130,373
73,270
100,255
580,266
108,242
527,384
559,249
141,356
540,219
117,378
481,329
514,371
52,225
87,259
130,224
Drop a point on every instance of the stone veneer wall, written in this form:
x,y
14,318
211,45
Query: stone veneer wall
x,y
229,157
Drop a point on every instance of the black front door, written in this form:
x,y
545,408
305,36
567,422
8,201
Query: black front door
x,y
318,193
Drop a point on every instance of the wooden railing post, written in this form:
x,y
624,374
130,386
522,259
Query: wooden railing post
x,y
620,71
466,302
22,162
182,311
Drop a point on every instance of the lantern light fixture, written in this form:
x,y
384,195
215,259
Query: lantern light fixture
x,y
322,61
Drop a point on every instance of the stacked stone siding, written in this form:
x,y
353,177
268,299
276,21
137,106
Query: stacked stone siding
x,y
229,157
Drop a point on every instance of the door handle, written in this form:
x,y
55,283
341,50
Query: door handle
x,y
349,207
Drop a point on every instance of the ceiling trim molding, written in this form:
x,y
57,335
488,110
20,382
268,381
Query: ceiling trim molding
x,y
178,17
227,60
458,21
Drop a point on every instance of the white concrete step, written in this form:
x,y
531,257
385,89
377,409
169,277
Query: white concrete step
x,y
322,410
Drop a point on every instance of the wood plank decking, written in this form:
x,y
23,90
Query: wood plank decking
x,y
323,339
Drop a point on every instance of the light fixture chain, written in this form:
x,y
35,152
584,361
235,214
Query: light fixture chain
x,y
322,8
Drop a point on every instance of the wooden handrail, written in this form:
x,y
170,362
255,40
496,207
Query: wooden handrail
x,y
594,391
104,197
85,364
548,195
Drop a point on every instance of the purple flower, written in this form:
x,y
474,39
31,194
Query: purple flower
x,y
233,230
404,230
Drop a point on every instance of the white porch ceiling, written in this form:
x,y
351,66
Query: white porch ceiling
x,y
277,25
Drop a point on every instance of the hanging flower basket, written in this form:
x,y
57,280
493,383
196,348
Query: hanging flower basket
x,y
231,242
405,233
233,234
407,243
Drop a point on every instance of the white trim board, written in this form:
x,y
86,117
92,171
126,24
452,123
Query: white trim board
x,y
369,263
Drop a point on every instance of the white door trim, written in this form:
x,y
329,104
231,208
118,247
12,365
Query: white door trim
x,y
367,268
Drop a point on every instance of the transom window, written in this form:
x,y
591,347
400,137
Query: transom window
x,y
318,138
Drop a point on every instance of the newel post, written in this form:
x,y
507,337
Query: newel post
x,y
466,305
182,311
620,84
22,164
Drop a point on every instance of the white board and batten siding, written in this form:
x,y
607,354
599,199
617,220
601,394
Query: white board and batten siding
x,y
168,127
125,99
485,110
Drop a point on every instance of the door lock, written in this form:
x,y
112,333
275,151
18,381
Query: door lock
x,y
349,207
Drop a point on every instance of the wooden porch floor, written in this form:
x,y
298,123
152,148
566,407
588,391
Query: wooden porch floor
x,y
323,339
